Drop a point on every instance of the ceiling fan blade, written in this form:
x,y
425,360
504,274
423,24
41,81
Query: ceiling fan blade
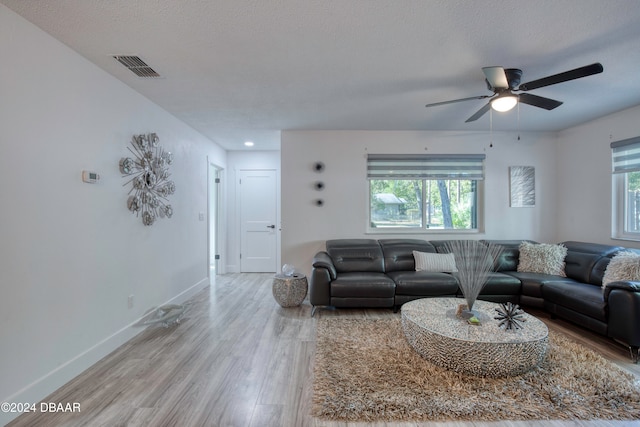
x,y
458,100
479,113
577,73
496,77
539,101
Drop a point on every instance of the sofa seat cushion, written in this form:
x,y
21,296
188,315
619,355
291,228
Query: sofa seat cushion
x,y
364,284
580,297
501,284
532,282
424,283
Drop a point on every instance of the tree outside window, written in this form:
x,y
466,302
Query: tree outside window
x,y
424,191
632,202
425,203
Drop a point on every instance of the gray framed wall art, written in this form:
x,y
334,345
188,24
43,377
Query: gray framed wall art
x,y
522,186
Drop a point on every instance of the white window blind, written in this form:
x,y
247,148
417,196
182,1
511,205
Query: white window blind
x,y
626,155
425,166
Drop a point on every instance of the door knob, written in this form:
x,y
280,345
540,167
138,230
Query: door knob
x,y
271,226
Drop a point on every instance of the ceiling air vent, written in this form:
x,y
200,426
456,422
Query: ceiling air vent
x,y
136,65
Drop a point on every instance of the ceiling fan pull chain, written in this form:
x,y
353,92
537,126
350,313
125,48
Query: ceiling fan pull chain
x,y
518,121
491,128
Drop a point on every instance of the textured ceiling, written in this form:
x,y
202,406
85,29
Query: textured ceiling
x,y
241,70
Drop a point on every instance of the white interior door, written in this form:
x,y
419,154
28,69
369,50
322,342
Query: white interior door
x,y
258,228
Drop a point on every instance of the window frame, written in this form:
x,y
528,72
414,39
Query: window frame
x,y
624,160
423,229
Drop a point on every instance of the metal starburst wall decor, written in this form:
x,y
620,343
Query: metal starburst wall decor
x,y
510,316
150,183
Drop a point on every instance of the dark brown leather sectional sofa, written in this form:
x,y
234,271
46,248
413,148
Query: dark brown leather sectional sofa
x,y
381,273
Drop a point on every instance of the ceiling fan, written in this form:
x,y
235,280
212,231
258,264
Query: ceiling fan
x,y
505,81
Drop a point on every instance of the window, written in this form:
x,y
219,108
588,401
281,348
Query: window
x,y
420,192
625,156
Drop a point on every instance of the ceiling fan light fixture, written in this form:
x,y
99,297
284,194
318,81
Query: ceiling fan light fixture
x,y
504,103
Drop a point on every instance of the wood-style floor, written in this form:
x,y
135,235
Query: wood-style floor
x,y
237,359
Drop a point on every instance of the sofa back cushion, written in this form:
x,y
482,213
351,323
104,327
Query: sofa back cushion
x,y
474,247
398,253
356,255
587,262
508,258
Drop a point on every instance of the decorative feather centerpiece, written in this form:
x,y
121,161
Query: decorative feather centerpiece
x,y
474,261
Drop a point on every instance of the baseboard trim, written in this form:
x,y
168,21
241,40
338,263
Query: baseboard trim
x,y
42,387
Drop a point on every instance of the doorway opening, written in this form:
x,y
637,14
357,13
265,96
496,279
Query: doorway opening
x,y
214,179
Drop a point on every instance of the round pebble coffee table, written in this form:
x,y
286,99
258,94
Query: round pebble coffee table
x,y
487,350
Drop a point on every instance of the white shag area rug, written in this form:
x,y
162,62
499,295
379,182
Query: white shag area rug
x,y
366,371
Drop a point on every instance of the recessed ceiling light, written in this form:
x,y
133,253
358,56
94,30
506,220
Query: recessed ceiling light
x,y
249,143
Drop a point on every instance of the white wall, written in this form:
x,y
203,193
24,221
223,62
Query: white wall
x,y
305,227
71,253
238,161
584,177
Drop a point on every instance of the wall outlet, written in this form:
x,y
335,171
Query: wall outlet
x,y
130,301
201,216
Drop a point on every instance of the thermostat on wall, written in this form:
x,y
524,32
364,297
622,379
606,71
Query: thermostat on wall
x,y
90,177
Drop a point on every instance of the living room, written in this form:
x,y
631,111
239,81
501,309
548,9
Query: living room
x,y
74,254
